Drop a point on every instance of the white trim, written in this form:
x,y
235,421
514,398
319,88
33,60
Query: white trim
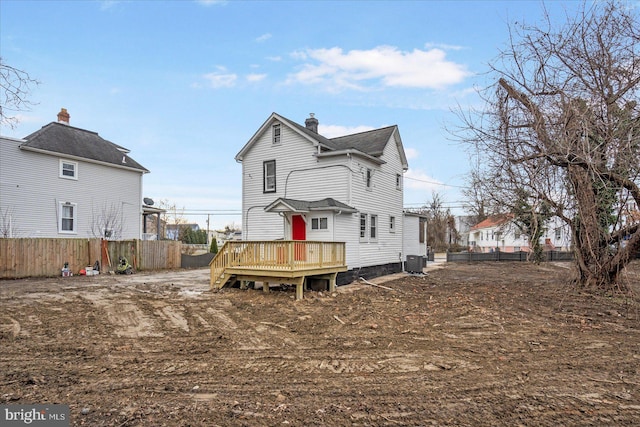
x,y
61,174
74,217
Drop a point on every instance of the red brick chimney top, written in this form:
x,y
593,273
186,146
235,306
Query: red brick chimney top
x,y
63,116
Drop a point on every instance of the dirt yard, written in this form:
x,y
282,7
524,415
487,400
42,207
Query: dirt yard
x,y
465,345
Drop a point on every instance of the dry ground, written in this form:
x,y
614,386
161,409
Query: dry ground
x,y
467,345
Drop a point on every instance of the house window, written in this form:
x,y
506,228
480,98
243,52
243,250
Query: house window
x,y
516,234
373,226
269,176
68,218
68,169
319,223
275,132
368,178
558,233
363,227
398,182
392,224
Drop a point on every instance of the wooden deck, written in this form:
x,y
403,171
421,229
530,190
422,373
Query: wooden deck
x,y
277,261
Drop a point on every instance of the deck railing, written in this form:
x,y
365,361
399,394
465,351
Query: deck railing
x,y
277,255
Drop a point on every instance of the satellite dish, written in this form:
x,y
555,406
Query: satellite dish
x,y
147,201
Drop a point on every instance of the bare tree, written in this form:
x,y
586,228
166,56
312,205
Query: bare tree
x,y
15,85
8,228
172,219
107,222
442,233
562,124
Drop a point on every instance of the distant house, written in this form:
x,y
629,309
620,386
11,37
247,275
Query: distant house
x,y
299,185
172,231
500,233
64,182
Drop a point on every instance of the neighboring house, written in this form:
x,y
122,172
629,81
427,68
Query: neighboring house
x,y
299,185
500,233
172,231
66,182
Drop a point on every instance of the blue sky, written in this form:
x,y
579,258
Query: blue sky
x,y
185,84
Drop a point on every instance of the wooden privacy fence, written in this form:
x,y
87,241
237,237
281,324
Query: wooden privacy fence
x,y
46,257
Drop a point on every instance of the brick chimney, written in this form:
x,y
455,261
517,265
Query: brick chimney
x,y
312,123
63,116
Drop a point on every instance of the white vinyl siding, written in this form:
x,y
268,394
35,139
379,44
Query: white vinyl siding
x,y
35,200
298,176
382,199
302,175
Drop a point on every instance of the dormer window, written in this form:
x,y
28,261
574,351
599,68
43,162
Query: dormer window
x,y
68,169
275,132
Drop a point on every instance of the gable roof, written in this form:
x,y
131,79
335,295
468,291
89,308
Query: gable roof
x,y
68,141
493,221
369,144
292,205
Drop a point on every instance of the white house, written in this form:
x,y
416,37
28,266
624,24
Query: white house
x,y
499,233
299,185
65,182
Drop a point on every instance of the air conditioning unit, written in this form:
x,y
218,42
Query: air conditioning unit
x,y
414,263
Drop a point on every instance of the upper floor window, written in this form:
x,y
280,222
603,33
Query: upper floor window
x,y
319,223
558,233
68,218
275,132
68,169
368,177
398,182
392,224
269,176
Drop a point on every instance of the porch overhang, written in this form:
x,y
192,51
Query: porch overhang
x,y
303,206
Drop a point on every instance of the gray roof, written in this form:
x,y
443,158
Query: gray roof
x,y
67,140
369,144
327,204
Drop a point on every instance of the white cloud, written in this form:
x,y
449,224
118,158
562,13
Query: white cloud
x,y
263,37
274,58
385,66
333,131
221,78
256,77
411,153
443,46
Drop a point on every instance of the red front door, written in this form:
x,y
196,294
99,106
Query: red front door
x,y
298,228
298,232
